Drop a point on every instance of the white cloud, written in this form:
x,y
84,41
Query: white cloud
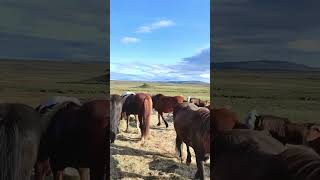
x,y
206,75
155,25
194,68
128,40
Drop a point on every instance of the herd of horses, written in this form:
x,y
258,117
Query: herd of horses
x,y
262,147
61,132
191,120
64,132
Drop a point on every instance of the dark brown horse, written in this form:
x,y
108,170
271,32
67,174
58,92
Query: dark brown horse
x,y
192,126
198,102
42,167
20,131
247,154
77,136
140,104
302,163
165,104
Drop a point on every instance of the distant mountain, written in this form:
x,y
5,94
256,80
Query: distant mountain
x,y
263,65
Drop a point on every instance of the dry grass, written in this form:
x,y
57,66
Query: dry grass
x,y
155,159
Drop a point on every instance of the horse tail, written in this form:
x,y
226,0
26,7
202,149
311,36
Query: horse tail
x,y
9,151
147,103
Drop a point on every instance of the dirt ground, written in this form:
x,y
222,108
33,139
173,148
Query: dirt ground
x,y
155,159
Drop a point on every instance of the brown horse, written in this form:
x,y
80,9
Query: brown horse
x,y
165,104
247,154
140,104
192,126
280,128
302,162
77,137
198,102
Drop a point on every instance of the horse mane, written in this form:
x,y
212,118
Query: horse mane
x,y
127,93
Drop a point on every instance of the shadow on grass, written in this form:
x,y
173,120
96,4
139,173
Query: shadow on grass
x,y
162,165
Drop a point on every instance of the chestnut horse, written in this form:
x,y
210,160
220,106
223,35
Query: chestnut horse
x,y
77,137
165,104
192,126
247,154
141,104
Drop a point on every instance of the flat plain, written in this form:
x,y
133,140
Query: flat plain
x,y
290,94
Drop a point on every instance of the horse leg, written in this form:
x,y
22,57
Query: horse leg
x,y
165,122
128,118
84,173
141,127
58,175
137,120
179,147
200,165
188,156
159,123
138,123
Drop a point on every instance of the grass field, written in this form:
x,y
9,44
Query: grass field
x,y
31,82
201,91
156,159
289,94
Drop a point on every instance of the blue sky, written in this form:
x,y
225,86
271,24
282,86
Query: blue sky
x,y
160,40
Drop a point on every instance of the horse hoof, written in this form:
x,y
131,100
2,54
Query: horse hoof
x,y
158,124
167,125
188,163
